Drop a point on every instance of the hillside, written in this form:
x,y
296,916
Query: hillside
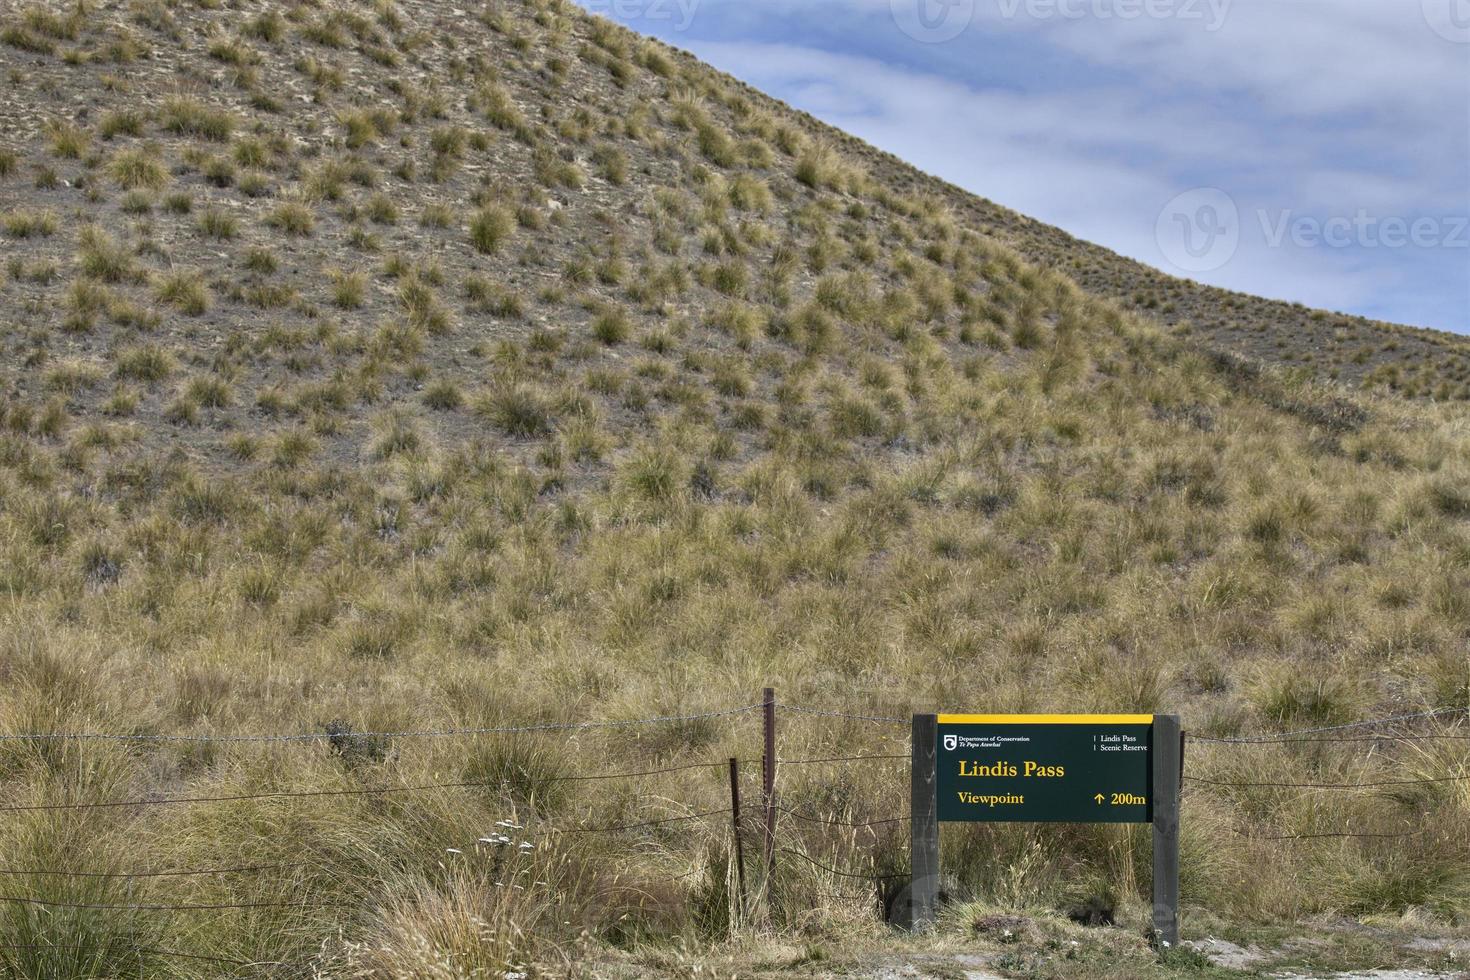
x,y
1318,344
391,367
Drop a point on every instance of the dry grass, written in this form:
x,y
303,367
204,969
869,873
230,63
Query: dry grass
x,y
332,403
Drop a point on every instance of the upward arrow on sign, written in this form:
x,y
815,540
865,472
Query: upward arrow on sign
x,y
1099,797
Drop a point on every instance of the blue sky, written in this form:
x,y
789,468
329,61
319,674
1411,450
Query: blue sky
x,y
1310,150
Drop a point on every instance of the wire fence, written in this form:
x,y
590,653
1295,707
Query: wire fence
x,y
55,873
761,816
347,736
1351,726
133,952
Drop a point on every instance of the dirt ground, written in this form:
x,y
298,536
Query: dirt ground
x,y
1046,947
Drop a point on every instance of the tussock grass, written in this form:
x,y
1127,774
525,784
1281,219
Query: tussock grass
x,y
136,167
27,224
147,363
292,218
184,290
517,410
103,257
490,228
183,116
550,376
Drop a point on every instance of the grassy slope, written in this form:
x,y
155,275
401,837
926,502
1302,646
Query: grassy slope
x,y
365,364
1310,343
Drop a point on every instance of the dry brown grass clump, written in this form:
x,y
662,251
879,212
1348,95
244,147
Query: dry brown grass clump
x,y
394,372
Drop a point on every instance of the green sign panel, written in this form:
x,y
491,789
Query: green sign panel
x,y
1045,768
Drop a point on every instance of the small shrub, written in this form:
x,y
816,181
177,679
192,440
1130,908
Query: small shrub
x,y
489,297
611,327
436,216
268,26
728,278
416,296
120,122
147,364
348,289
31,224
185,291
219,171
397,435
293,218
448,141
102,257
137,167
208,392
137,203
612,164
516,410
184,116
655,473
490,228
261,261
218,224
821,168
443,396
381,210
69,141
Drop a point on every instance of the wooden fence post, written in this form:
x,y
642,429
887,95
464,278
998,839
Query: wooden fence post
x,y
768,787
924,824
1168,766
739,844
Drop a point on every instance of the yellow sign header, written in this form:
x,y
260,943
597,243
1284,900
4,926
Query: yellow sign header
x,y
1046,719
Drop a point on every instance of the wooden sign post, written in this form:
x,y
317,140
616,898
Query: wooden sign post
x,y
1049,769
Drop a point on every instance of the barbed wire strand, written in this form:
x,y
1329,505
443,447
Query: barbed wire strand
x,y
822,713
843,874
141,950
595,777
1341,739
1368,785
321,793
648,823
841,758
143,874
345,736
206,907
1321,836
1371,723
631,722
833,821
